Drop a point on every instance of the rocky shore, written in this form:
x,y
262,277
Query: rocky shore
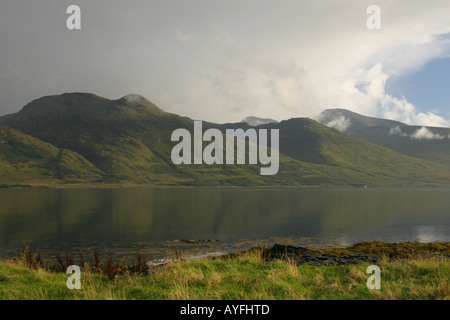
x,y
301,255
364,252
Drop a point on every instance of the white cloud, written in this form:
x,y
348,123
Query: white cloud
x,y
133,98
425,134
396,131
223,60
303,80
340,124
393,108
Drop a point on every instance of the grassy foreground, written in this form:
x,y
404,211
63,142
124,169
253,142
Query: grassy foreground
x,y
246,276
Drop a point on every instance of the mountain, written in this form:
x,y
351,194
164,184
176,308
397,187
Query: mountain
x,y
27,160
255,121
350,160
128,141
428,143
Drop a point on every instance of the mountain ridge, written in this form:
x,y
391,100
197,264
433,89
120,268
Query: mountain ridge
x,y
425,142
256,121
127,141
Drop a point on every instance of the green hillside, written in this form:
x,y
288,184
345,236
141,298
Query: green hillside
x,y
338,159
395,135
27,160
127,141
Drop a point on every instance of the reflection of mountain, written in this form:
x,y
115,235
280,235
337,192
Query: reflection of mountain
x,y
125,215
363,211
66,219
83,138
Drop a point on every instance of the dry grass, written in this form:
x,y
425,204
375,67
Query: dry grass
x,y
246,276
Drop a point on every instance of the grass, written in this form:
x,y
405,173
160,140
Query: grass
x,y
242,277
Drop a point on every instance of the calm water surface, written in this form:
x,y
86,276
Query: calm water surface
x,y
157,221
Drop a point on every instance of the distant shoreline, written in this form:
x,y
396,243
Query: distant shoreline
x,y
164,186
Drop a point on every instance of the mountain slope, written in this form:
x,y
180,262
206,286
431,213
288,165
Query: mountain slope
x,y
24,159
129,141
428,143
115,135
350,160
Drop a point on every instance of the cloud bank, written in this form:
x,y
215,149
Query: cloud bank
x,y
224,60
425,134
397,131
341,124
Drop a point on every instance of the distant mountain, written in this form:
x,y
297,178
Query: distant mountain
x,y
428,143
348,121
93,140
351,160
255,121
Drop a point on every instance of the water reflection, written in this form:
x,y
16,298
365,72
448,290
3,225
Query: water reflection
x,y
126,219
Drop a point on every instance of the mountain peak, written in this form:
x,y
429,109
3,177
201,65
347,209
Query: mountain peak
x,y
134,99
87,105
348,121
59,104
137,101
255,121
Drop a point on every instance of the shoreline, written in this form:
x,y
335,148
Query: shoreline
x,y
408,271
180,186
361,252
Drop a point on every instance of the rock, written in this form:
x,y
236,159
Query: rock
x,y
302,255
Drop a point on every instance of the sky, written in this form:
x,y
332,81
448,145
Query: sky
x,y
222,61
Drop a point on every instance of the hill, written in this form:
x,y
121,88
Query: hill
x,y
27,160
430,143
339,159
127,141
